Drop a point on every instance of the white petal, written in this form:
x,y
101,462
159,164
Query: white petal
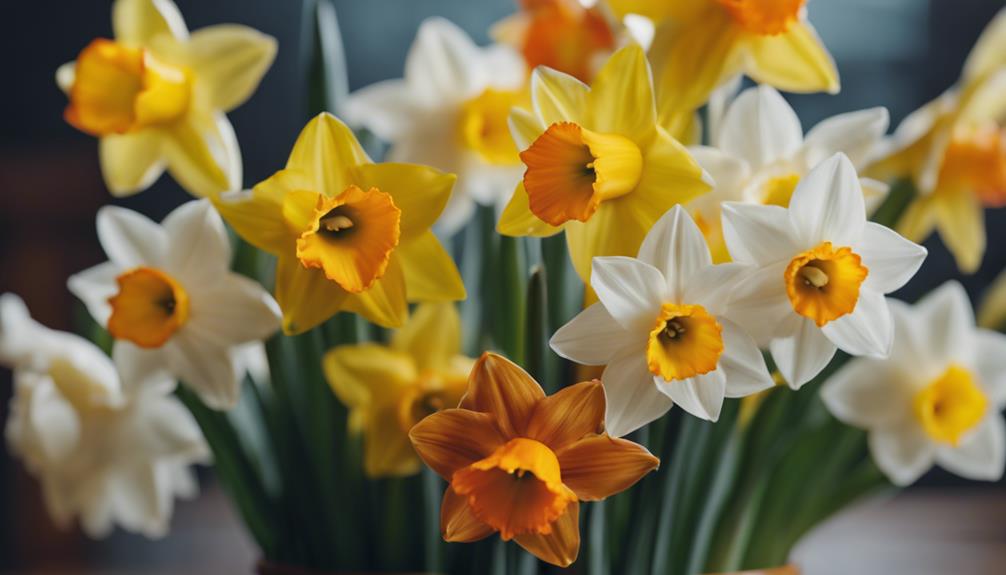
x,y
94,286
761,128
631,291
233,310
386,108
728,173
66,75
803,354
990,363
742,362
130,239
759,303
593,337
855,134
891,259
980,456
676,247
56,422
758,234
206,368
828,204
443,62
633,400
22,339
867,393
458,211
902,452
140,367
701,396
505,67
947,324
868,330
199,250
713,286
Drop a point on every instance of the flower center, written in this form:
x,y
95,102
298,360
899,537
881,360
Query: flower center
x,y
976,163
484,129
351,237
571,170
950,406
778,190
685,341
823,282
516,490
764,17
564,35
149,307
118,89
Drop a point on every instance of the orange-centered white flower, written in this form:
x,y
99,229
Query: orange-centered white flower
x,y
519,463
597,165
823,272
937,399
156,97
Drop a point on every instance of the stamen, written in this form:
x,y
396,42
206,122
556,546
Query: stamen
x,y
813,277
336,223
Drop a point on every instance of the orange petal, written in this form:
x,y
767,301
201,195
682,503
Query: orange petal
x,y
562,545
599,466
457,522
500,387
455,438
569,415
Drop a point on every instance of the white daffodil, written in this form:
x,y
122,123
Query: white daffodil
x,y
823,270
660,329
169,298
106,451
761,154
937,399
450,111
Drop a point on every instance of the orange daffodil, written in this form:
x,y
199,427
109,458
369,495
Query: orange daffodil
x,y
954,150
388,389
156,97
822,272
661,328
450,112
518,462
938,399
349,234
169,299
597,164
759,154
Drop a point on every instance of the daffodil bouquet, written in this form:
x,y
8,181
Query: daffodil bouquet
x,y
626,229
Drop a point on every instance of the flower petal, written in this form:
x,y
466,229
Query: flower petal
x,y
368,374
761,128
199,251
961,221
670,176
621,96
868,330
458,523
867,393
902,452
94,286
518,220
454,438
632,291
429,271
558,97
387,450
828,204
742,362
257,215
598,466
890,258
676,247
229,61
632,398
949,324
136,22
762,295
592,337
758,234
130,163
139,366
130,239
568,415
432,336
855,134
325,149
385,108
306,296
233,310
981,456
500,387
990,363
524,128
701,396
802,355
420,192
713,286
987,54
562,545
794,61
385,302
203,156
204,365
443,62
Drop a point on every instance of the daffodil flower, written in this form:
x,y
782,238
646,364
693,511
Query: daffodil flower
x,y
761,154
349,234
169,299
519,463
662,329
954,150
938,399
156,97
388,389
598,165
701,44
107,450
822,272
450,112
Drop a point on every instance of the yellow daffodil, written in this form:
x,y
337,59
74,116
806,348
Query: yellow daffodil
x,y
388,389
519,463
349,234
156,97
700,44
954,149
597,164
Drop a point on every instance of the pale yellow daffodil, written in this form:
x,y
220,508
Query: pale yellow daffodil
x,y
598,165
156,97
388,389
349,234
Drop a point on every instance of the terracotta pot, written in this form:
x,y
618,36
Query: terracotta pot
x,y
268,568
784,570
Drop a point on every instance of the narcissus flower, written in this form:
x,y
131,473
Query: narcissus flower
x,y
388,389
761,154
598,165
700,44
954,150
938,398
156,97
661,329
107,451
169,299
822,272
450,112
349,234
519,463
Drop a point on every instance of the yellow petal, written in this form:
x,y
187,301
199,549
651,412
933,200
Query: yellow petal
x,y
558,97
500,387
431,337
658,11
599,466
130,163
421,192
961,222
518,220
257,215
454,438
568,415
621,96
562,545
794,61
229,60
136,22
202,154
387,451
368,374
457,522
989,52
384,302
430,273
306,296
919,220
325,150
524,127
992,311
670,176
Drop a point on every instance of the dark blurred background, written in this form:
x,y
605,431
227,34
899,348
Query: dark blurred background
x,y
895,53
